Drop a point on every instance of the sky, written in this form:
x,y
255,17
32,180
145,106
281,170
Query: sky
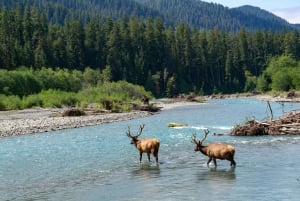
x,y
286,9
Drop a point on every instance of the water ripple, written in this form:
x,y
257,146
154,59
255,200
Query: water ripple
x,y
99,163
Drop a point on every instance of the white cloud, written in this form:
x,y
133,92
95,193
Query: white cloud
x,y
292,15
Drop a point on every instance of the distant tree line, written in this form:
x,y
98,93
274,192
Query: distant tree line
x,y
166,61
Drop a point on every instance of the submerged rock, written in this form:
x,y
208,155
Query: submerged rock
x,y
174,124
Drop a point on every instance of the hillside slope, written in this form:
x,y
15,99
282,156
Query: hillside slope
x,y
195,13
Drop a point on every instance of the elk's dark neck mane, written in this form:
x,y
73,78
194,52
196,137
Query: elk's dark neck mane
x,y
203,150
137,142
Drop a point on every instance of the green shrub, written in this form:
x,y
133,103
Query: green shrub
x,y
281,81
2,106
21,82
282,74
295,76
32,101
57,98
25,88
11,102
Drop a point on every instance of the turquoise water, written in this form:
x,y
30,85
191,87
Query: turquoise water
x,y
98,162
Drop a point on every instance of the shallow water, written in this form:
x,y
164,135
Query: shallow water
x,y
98,162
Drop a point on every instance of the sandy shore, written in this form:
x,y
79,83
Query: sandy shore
x,y
38,120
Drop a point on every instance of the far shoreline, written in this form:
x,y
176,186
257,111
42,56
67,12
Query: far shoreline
x,y
40,120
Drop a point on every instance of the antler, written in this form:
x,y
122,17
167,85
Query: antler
x,y
128,132
206,132
140,131
194,138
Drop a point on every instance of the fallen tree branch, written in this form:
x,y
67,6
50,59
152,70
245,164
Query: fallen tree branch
x,y
286,125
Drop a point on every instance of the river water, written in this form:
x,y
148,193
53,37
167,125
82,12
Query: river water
x,y
98,163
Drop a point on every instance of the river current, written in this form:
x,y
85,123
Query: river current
x,y
99,163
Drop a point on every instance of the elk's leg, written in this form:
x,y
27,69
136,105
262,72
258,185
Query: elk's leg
x,y
209,160
215,162
148,154
156,157
231,159
233,163
141,155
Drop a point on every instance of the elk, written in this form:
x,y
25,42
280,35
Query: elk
x,y
214,150
149,145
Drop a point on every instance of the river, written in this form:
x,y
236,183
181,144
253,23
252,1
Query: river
x,y
99,163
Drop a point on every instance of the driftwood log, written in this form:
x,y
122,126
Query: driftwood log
x,y
73,112
286,125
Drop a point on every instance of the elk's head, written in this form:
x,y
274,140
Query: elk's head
x,y
200,142
134,138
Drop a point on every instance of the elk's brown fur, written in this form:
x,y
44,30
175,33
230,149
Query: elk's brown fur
x,y
215,150
148,145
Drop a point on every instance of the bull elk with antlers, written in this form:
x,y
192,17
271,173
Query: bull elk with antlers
x,y
149,145
214,151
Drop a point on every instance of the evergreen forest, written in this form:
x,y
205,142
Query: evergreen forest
x,y
165,60
194,13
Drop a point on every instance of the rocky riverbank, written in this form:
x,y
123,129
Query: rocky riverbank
x,y
38,120
31,121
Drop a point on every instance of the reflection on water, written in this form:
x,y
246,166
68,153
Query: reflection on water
x,y
146,170
218,174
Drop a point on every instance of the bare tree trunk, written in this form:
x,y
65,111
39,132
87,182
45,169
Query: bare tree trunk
x,y
271,118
